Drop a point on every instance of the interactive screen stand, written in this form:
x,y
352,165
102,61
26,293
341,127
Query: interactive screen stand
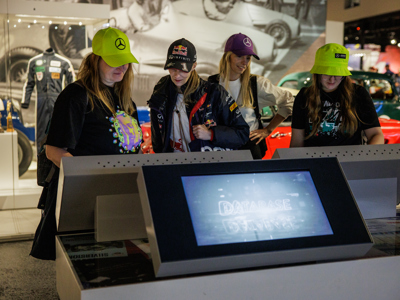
x,y
249,214
85,178
372,171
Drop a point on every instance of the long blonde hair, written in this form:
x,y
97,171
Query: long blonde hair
x,y
348,112
89,77
225,71
192,85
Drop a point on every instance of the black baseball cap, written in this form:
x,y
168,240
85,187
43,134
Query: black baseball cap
x,y
181,55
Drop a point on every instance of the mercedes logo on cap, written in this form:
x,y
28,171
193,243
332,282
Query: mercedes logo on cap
x,y
120,44
247,42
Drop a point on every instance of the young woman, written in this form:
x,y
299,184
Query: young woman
x,y
333,110
93,116
190,114
251,92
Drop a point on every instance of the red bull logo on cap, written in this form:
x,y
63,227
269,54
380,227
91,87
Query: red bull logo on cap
x,y
181,50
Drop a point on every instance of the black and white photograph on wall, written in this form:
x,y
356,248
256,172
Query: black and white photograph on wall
x,y
282,30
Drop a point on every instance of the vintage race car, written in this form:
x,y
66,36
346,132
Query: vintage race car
x,y
251,14
380,86
280,137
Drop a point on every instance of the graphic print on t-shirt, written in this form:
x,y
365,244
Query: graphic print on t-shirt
x,y
331,120
127,131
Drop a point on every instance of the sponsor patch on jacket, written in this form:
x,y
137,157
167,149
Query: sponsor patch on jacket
x,y
39,62
55,63
55,75
233,106
54,70
39,76
40,69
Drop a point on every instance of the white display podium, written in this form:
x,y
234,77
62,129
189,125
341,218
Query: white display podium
x,y
8,160
375,276
14,192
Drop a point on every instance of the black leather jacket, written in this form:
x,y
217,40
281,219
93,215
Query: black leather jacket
x,y
219,111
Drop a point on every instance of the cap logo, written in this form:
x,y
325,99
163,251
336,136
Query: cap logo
x,y
181,50
247,42
340,55
120,44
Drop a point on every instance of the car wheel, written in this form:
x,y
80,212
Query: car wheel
x,y
19,58
280,31
25,153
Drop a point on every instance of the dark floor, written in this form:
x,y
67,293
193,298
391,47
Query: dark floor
x,y
24,277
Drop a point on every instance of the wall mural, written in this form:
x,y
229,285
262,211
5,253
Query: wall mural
x,y
282,30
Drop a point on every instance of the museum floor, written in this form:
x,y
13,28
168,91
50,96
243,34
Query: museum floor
x,y
22,276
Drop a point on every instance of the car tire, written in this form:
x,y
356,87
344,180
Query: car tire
x,y
19,58
25,153
280,31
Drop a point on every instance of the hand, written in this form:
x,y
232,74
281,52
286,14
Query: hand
x,y
259,134
201,132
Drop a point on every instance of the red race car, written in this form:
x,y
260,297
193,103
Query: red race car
x,y
280,137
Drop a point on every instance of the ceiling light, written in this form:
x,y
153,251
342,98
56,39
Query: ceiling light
x,y
50,22
393,41
65,22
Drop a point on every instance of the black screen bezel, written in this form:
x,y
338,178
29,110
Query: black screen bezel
x,y
172,221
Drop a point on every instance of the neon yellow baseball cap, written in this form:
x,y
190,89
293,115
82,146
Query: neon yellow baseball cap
x,y
112,45
331,59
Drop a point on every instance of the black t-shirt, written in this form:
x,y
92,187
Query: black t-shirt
x,y
86,131
329,132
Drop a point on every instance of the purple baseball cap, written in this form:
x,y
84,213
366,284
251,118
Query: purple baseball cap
x,y
240,44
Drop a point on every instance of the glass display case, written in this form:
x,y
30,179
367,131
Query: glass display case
x,y
29,29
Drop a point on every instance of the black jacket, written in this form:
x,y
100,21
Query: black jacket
x,y
219,111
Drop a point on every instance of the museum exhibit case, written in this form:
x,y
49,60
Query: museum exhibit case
x,y
199,243
50,32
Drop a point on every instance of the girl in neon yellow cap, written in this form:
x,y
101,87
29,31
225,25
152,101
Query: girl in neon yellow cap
x,y
93,116
333,110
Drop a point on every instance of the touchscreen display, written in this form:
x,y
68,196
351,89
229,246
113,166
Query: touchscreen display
x,y
239,208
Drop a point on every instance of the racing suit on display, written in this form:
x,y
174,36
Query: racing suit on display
x,y
50,73
211,106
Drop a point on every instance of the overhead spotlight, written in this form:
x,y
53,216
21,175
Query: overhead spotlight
x,y
19,20
69,28
56,27
80,23
398,45
43,27
65,22
34,21
50,22
29,26
15,25
393,41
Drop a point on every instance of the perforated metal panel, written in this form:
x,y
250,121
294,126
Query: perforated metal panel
x,y
365,166
343,153
84,178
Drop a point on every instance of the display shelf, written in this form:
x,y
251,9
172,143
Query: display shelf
x,y
123,269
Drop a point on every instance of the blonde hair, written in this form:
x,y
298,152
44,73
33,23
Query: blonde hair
x,y
192,85
348,111
89,77
225,71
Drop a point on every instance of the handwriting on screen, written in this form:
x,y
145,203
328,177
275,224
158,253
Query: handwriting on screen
x,y
238,208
